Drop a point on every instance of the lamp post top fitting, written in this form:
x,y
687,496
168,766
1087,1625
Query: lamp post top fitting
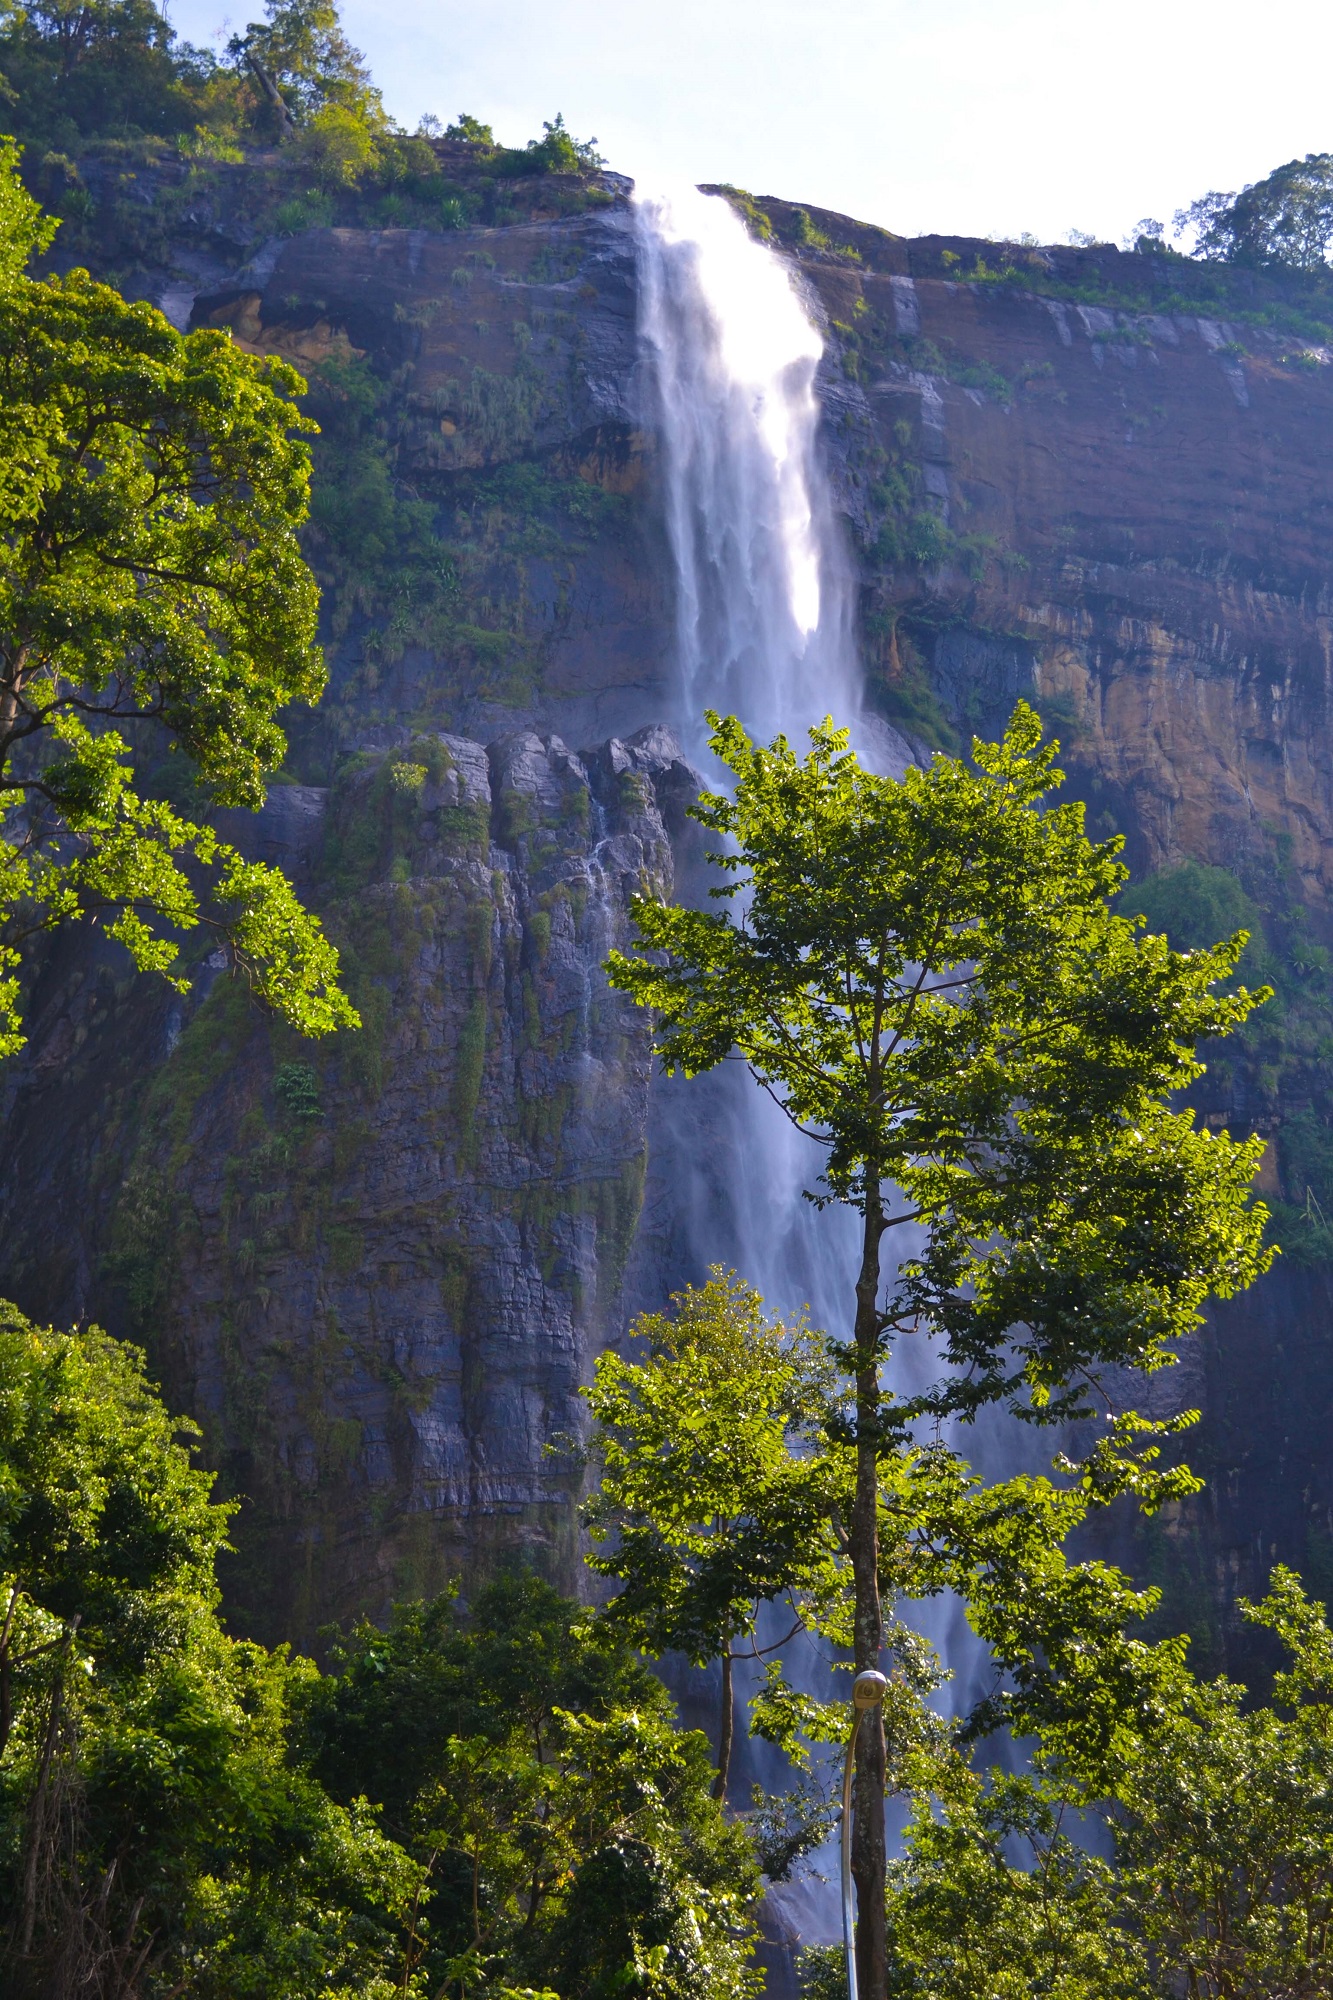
x,y
868,1689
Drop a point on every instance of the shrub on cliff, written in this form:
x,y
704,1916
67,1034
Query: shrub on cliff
x,y
556,152
1277,1070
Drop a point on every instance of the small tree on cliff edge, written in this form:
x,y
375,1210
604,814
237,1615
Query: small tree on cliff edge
x,y
927,975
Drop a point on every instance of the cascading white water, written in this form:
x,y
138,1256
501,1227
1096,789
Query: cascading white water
x,y
764,630
764,615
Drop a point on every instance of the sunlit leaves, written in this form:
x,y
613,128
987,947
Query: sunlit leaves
x,y
707,1506
151,489
929,975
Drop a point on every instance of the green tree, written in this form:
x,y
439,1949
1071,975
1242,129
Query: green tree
x,y
928,975
533,1765
1216,1878
715,1496
81,69
1284,219
155,1833
1193,904
305,65
151,583
1223,1822
997,1894
556,152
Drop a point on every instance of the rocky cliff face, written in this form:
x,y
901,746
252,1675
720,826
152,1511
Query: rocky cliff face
x,y
377,1272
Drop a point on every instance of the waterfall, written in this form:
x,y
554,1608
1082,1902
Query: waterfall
x,y
764,630
764,602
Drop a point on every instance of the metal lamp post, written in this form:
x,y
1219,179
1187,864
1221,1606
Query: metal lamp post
x,y
867,1692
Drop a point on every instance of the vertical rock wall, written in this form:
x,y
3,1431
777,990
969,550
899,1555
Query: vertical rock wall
x,y
377,1269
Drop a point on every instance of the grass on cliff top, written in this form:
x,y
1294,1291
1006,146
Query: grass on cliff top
x,y
1297,304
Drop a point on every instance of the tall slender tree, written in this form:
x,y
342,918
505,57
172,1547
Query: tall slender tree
x,y
927,974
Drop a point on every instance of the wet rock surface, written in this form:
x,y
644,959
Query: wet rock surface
x,y
377,1270
379,1284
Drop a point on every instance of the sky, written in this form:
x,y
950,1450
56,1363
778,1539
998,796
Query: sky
x,y
968,117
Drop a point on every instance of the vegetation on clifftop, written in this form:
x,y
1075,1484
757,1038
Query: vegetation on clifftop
x,y
110,104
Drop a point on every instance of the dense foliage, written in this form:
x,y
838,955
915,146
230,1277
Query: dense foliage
x,y
116,69
155,1832
707,1508
1277,1071
1286,219
112,66
183,1812
1204,1867
565,1825
151,581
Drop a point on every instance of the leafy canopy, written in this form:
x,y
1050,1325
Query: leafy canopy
x,y
302,47
1285,219
717,1493
533,1766
98,66
704,1509
151,1813
192,1811
1213,1875
928,975
1224,1824
151,488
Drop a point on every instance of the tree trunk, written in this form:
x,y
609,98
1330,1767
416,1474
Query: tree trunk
x,y
37,1810
868,1855
286,123
725,1729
